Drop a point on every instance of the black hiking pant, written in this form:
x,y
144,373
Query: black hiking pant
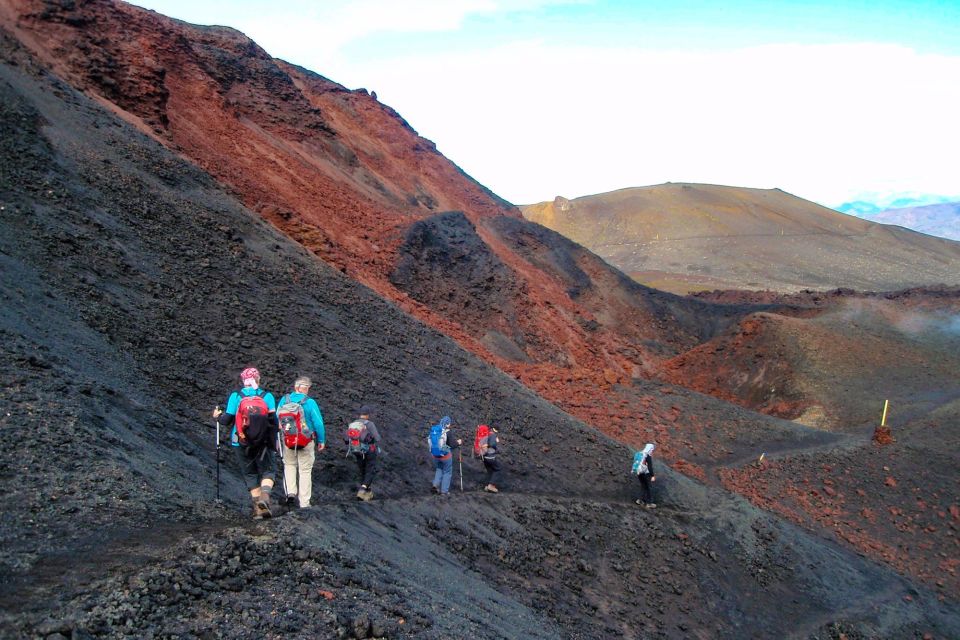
x,y
256,464
646,488
492,465
367,464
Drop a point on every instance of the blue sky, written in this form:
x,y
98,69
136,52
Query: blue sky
x,y
538,98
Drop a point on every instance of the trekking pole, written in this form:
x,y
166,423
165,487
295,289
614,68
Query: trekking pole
x,y
283,469
217,423
460,457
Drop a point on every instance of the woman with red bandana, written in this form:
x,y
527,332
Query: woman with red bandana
x,y
253,414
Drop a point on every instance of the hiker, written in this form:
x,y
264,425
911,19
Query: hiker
x,y
253,413
643,469
485,445
442,443
363,443
301,424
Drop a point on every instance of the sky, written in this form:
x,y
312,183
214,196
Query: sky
x,y
831,101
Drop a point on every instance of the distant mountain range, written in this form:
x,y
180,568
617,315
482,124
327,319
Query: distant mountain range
x,y
933,219
869,203
689,237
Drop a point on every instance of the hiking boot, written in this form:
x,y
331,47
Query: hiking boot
x,y
290,500
367,495
257,509
652,505
263,502
491,489
435,488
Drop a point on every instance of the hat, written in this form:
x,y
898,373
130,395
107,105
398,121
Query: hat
x,y
250,372
365,410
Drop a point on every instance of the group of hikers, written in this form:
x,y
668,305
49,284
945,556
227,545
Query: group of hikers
x,y
293,427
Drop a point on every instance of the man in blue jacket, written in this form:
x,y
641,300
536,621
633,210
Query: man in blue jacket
x,y
300,442
442,442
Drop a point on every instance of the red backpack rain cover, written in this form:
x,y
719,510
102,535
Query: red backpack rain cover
x,y
480,440
252,427
293,424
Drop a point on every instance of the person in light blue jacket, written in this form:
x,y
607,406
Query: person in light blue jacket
x,y
251,412
299,444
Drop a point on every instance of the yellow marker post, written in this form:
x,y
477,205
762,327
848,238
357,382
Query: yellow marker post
x,y
760,460
882,434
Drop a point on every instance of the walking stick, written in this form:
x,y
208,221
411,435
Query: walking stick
x,y
217,422
283,469
460,457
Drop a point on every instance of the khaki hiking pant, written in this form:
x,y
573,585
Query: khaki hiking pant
x,y
298,472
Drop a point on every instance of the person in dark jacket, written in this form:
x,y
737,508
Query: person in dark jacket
x,y
443,456
257,460
646,476
489,447
365,449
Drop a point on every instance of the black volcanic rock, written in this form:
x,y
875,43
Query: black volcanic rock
x,y
445,264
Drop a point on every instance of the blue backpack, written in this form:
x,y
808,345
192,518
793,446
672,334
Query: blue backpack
x,y
438,440
639,464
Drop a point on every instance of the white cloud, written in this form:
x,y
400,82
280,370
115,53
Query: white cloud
x,y
531,121
301,30
306,30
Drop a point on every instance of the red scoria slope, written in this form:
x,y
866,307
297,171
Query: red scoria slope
x,y
829,360
347,177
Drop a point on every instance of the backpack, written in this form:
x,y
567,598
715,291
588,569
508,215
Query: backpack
x,y
293,423
639,464
253,428
357,435
438,441
480,441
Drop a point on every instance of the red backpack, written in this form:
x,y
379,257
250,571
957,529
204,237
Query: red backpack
x,y
357,436
253,429
480,440
293,423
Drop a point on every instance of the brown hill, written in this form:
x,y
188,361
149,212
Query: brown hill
x,y
689,237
